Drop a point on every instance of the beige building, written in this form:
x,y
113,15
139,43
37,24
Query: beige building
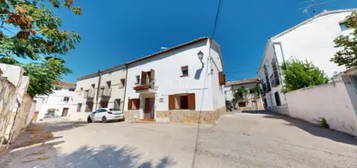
x,y
250,100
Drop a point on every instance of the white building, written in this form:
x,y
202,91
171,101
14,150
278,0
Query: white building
x,y
180,84
99,90
311,40
56,104
250,101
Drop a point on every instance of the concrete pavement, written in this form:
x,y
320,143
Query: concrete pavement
x,y
237,140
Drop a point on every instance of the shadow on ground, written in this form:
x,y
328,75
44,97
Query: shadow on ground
x,y
60,126
312,129
106,156
42,132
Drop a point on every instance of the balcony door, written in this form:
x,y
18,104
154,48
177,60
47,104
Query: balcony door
x,y
149,109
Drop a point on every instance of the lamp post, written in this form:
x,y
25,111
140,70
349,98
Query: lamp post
x,y
200,57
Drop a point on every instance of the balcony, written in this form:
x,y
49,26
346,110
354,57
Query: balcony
x,y
89,94
105,92
147,86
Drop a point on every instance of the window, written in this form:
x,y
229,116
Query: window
x,y
79,107
66,99
184,71
58,88
103,103
277,99
343,26
134,104
182,102
100,110
122,81
267,79
137,79
89,106
71,89
109,84
241,104
275,76
117,104
93,86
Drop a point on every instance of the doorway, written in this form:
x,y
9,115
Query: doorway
x,y
149,109
64,112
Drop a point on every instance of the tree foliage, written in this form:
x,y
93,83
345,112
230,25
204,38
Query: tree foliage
x,y
256,91
347,55
240,93
30,30
299,74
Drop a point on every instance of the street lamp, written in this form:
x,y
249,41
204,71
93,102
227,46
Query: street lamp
x,y
200,57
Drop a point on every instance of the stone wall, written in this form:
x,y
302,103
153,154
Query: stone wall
x,y
132,115
189,116
15,104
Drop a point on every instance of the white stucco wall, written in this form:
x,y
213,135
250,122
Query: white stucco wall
x,y
117,92
55,101
330,101
12,73
311,41
202,82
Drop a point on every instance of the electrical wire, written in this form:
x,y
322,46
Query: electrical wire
x,y
216,18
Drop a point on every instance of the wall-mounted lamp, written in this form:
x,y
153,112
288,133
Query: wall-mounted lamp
x,y
200,57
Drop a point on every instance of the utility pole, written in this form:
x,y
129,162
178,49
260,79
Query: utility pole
x,y
98,89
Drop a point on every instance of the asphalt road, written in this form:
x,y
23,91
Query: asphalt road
x,y
237,140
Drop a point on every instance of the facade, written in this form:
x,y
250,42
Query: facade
x,y
180,84
104,89
312,40
57,104
251,101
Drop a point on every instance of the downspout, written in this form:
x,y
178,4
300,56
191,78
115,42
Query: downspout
x,y
126,82
98,88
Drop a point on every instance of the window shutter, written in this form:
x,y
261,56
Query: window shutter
x,y
191,102
221,78
152,74
171,102
130,104
137,103
143,77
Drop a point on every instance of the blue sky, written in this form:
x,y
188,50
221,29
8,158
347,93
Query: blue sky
x,y
119,31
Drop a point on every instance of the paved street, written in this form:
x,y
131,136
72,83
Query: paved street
x,y
238,140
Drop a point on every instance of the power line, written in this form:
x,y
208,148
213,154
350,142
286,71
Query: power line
x,y
216,18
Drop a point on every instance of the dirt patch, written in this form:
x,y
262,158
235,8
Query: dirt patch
x,y
34,134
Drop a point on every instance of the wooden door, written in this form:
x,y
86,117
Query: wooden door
x,y
149,109
64,112
35,116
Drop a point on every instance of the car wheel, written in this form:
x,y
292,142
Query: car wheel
x,y
89,120
104,119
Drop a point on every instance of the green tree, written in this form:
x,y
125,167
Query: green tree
x,y
347,55
299,74
30,30
240,93
256,91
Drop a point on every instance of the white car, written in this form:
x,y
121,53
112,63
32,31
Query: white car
x,y
105,114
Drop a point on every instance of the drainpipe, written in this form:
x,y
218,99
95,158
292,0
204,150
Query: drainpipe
x,y
98,89
126,82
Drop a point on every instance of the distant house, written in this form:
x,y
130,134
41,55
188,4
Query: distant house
x,y
249,101
103,89
180,84
311,40
56,104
